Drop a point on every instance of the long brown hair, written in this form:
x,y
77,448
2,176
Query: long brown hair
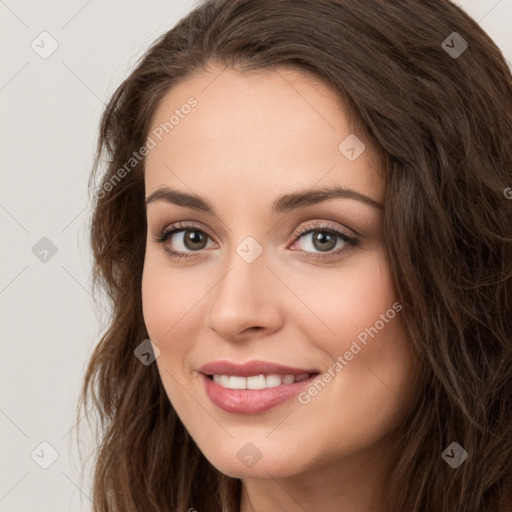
x,y
438,107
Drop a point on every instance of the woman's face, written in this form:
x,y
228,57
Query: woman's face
x,y
265,285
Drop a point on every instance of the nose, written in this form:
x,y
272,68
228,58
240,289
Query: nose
x,y
246,300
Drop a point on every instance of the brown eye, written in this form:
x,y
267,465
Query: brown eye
x,y
324,240
183,240
194,239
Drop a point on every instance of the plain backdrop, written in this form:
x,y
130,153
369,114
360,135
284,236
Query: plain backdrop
x,y
50,111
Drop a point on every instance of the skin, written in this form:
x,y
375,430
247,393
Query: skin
x,y
251,138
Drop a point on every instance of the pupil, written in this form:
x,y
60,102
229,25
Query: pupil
x,y
321,237
194,239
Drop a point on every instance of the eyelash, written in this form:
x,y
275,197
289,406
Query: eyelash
x,y
325,228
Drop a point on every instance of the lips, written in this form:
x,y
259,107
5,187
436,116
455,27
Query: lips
x,y
230,386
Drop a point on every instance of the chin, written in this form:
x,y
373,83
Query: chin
x,y
254,460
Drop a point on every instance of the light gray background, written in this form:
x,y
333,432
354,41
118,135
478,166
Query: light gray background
x,y
50,110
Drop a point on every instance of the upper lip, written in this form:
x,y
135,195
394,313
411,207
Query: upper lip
x,y
251,369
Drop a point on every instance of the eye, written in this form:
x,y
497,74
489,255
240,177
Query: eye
x,y
324,241
187,237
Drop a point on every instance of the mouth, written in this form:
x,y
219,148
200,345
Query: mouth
x,y
256,382
253,388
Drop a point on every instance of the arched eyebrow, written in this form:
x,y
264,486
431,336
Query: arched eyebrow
x,y
283,204
304,198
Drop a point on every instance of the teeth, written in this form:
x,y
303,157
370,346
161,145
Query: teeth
x,y
288,379
237,382
273,381
257,381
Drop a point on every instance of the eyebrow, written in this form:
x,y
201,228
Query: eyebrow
x,y
283,204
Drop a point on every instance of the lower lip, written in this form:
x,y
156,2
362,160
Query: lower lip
x,y
252,401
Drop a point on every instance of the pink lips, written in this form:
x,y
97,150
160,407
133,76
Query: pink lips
x,y
252,401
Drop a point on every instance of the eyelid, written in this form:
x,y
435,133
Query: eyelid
x,y
181,226
321,225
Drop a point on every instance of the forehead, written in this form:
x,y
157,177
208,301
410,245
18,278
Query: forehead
x,y
277,129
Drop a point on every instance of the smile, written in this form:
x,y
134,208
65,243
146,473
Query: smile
x,y
244,400
253,387
257,381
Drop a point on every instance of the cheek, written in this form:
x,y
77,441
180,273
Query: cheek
x,y
348,301
167,296
172,306
373,392
155,301
363,330
163,307
165,303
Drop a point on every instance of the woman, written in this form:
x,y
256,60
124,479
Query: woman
x,y
305,232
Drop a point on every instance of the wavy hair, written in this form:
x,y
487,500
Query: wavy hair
x,y
442,123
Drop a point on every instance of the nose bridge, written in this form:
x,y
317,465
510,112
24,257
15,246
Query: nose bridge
x,y
244,297
247,272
